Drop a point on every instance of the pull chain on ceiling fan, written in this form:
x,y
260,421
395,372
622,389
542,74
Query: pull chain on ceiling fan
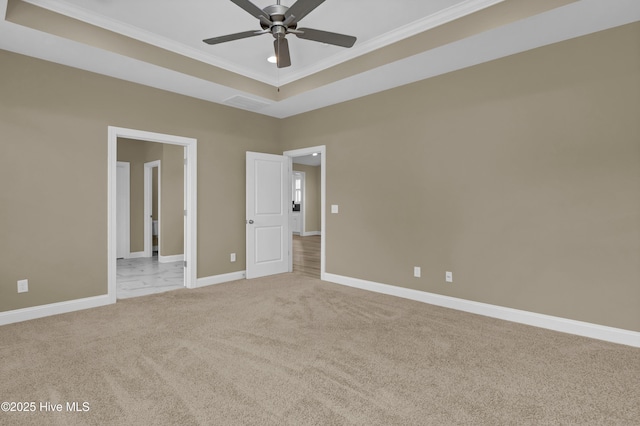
x,y
279,20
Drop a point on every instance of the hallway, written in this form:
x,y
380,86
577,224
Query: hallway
x,y
143,276
306,255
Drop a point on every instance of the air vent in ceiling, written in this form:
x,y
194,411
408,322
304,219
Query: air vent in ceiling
x,y
244,102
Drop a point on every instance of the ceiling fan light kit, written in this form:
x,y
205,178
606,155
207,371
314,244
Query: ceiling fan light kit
x,y
279,20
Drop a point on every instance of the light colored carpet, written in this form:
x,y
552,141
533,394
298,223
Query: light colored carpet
x,y
297,351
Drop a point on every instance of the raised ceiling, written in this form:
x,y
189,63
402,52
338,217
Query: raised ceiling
x,y
159,43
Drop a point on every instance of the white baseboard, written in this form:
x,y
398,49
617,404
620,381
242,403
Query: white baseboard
x,y
169,259
41,311
136,255
311,233
219,279
580,328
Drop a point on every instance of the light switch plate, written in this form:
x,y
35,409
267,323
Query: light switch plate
x,y
334,208
448,276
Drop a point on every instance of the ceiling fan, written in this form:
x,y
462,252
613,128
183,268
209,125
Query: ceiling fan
x,y
279,20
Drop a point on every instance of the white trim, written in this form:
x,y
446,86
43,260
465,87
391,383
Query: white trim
x,y
322,149
191,228
185,206
580,328
434,20
222,278
426,23
169,259
136,255
148,205
41,311
112,148
323,210
154,39
190,247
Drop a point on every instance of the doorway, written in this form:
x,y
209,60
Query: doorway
x,y
190,202
153,196
269,187
310,256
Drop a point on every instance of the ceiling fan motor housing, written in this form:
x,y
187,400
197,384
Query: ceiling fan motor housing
x,y
276,14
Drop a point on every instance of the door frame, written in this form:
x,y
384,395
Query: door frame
x,y
190,237
148,206
322,149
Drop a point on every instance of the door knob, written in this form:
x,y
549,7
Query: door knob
x,y
250,221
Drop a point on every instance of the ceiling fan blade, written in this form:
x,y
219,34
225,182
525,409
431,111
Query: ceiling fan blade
x,y
301,8
231,37
325,37
281,46
253,10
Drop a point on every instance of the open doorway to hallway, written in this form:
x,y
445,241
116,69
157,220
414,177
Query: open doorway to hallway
x,y
307,216
190,201
151,257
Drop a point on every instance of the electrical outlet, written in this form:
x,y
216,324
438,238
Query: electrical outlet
x,y
448,276
416,271
233,257
23,286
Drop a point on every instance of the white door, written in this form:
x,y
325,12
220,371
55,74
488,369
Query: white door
x,y
267,219
122,210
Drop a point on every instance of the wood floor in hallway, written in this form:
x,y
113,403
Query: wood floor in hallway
x,y
306,255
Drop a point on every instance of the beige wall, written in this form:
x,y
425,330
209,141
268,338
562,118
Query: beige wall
x,y
136,153
53,174
522,176
312,222
172,200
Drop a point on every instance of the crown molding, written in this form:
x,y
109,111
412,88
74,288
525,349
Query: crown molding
x,y
434,20
144,36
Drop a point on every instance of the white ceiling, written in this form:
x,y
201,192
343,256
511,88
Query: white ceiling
x,y
308,160
180,27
